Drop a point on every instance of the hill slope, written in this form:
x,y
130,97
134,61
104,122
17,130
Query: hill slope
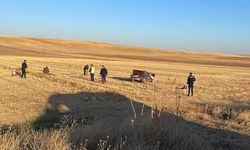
x,y
20,46
216,117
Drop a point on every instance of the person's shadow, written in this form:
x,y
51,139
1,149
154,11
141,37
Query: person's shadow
x,y
109,111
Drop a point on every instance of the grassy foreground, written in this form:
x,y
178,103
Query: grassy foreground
x,y
65,111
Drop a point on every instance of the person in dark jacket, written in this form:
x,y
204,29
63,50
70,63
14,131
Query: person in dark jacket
x,y
190,81
92,72
24,68
46,70
104,73
85,70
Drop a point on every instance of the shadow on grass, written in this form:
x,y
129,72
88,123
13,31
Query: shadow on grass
x,y
103,114
122,78
126,79
241,105
86,108
223,111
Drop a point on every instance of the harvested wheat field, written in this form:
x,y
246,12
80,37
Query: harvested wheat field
x,y
64,110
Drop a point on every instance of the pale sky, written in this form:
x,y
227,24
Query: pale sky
x,y
220,26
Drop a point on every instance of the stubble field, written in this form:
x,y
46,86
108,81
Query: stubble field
x,y
67,108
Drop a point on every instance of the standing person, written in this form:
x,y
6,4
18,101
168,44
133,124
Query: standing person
x,y
190,81
85,70
92,72
24,68
104,73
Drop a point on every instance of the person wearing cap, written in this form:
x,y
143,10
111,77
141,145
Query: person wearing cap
x,y
104,73
24,68
92,72
190,81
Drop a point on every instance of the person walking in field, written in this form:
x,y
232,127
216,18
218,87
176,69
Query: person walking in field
x,y
92,72
104,73
24,69
85,70
190,81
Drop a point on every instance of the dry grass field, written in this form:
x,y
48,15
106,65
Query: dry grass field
x,y
63,109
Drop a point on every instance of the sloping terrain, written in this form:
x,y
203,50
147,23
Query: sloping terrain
x,y
76,49
122,108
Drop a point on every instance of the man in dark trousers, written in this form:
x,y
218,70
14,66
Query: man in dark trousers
x,y
92,72
190,81
24,67
104,73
